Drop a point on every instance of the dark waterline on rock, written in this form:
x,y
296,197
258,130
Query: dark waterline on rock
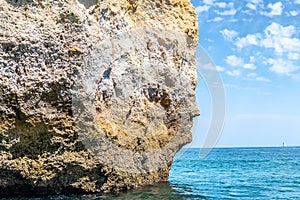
x,y
151,192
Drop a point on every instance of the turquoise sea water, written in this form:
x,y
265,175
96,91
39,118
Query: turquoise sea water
x,y
239,173
226,173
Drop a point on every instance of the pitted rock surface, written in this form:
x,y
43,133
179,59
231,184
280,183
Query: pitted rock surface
x,y
95,96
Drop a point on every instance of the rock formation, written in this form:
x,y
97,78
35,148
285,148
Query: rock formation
x,y
95,95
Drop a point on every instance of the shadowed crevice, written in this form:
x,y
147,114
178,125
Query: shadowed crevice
x,y
66,181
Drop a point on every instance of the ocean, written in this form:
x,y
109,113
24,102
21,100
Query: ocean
x,y
226,173
239,173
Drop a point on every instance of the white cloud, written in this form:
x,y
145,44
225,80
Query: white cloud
x,y
250,39
232,11
216,19
263,79
221,4
251,75
224,4
276,9
277,37
293,13
281,66
293,56
204,8
251,6
208,2
277,29
252,59
280,39
220,69
254,76
297,1
249,66
234,61
296,76
234,73
228,34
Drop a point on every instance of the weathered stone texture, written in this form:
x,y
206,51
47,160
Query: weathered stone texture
x,y
95,96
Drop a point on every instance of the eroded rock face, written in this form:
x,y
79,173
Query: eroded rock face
x,y
95,96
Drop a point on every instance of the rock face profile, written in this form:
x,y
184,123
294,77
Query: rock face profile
x,y
96,96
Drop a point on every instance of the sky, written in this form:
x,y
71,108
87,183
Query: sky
x,y
255,47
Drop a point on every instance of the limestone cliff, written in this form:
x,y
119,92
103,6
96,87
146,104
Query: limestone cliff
x,y
95,95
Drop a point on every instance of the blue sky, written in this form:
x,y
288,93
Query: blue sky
x,y
255,46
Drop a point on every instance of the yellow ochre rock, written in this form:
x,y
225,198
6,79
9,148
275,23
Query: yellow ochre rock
x,y
96,96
